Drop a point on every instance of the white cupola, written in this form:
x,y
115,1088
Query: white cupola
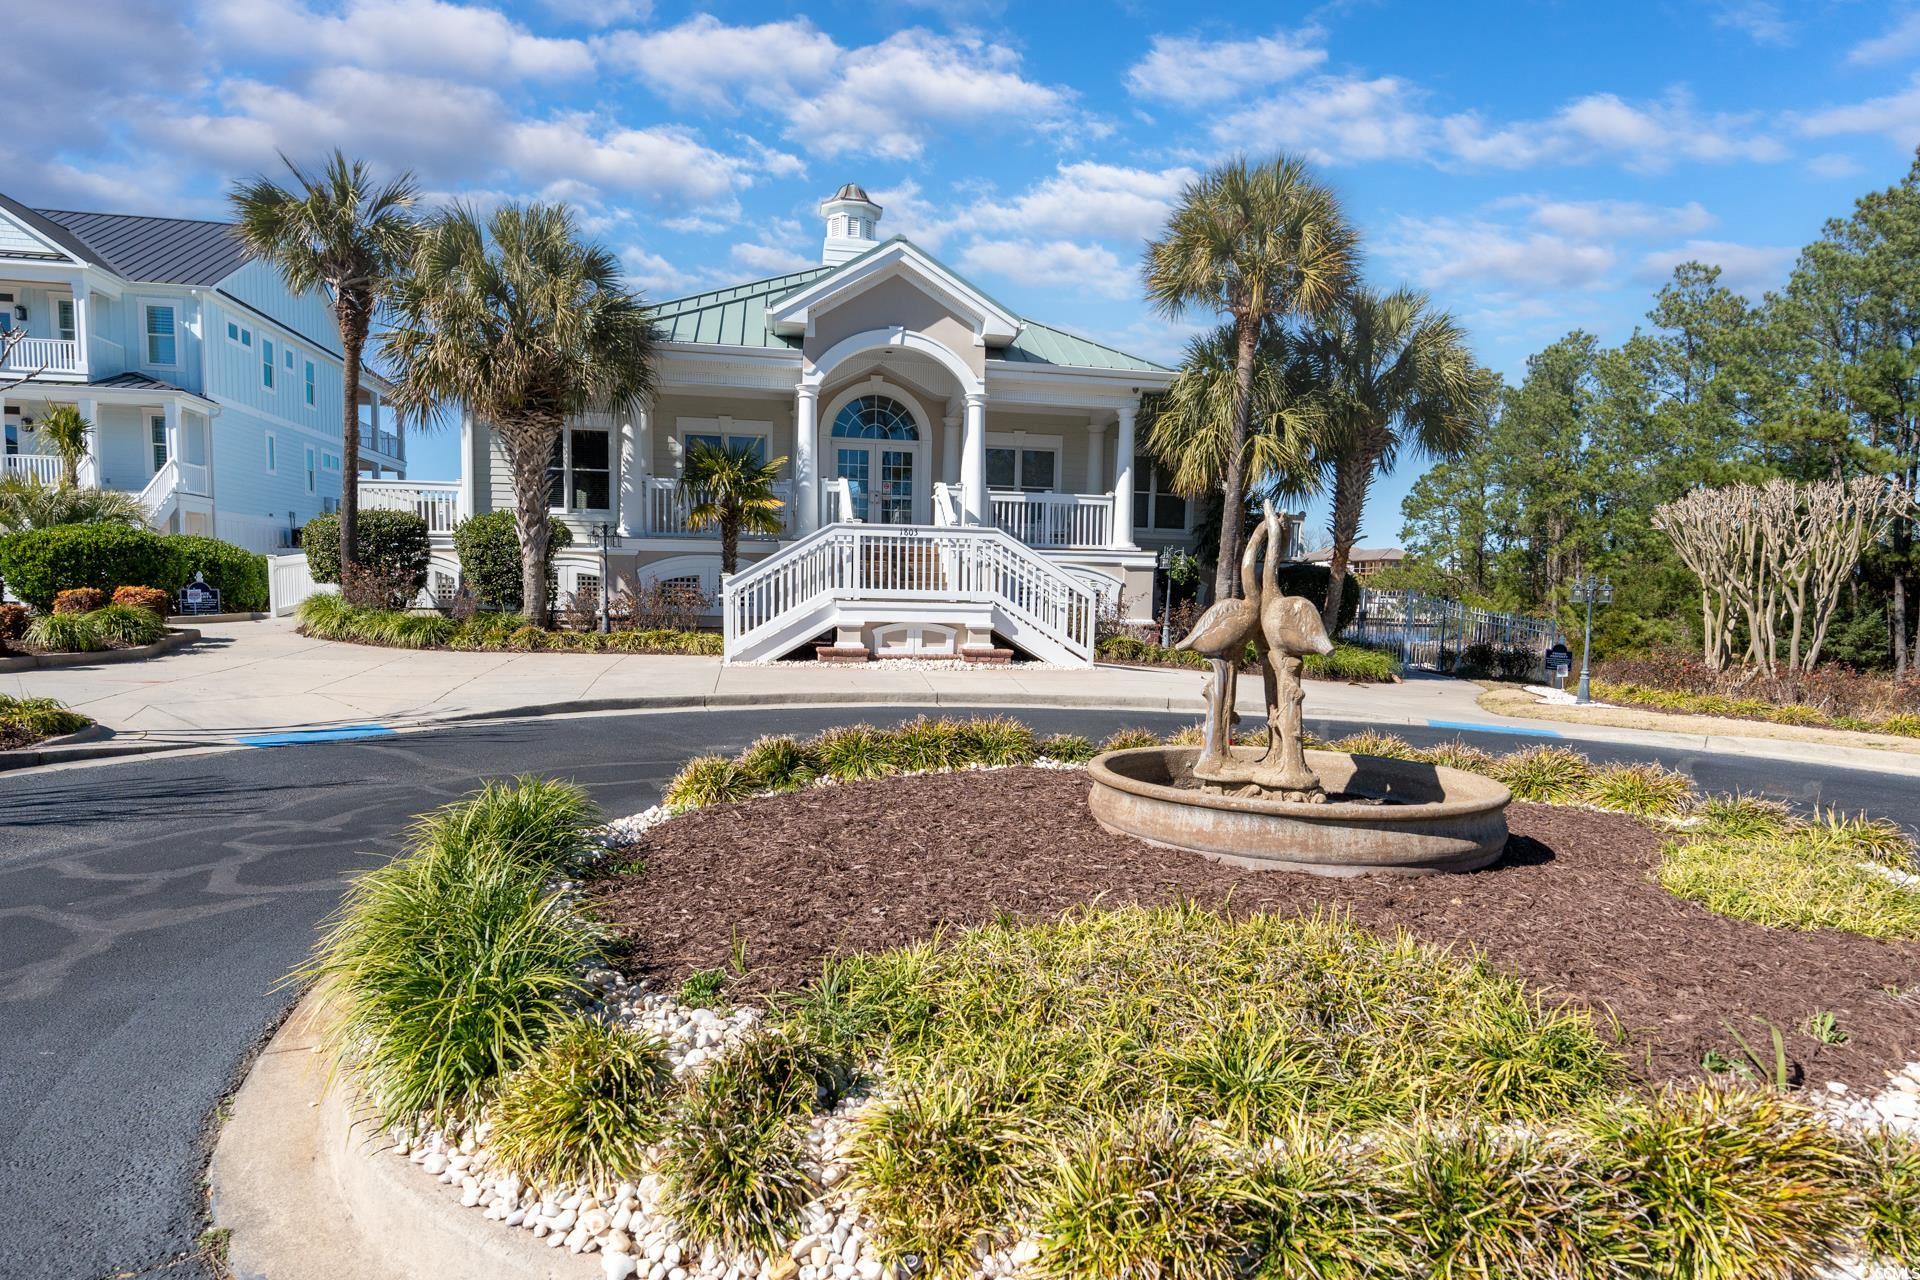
x,y
851,218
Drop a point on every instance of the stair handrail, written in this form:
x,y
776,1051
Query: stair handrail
x,y
154,495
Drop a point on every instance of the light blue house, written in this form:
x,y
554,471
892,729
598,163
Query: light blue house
x,y
214,392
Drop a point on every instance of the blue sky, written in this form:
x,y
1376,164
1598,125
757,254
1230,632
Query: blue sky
x,y
1537,167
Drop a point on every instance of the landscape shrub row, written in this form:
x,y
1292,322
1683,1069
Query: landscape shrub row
x,y
38,564
1347,661
329,617
1740,856
1139,1092
25,721
1832,695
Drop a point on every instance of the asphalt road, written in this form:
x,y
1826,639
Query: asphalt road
x,y
149,909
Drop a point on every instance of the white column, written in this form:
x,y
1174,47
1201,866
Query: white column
x,y
1096,461
90,473
973,460
173,434
473,467
631,480
950,444
1123,482
82,322
806,492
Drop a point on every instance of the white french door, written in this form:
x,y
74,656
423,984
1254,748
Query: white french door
x,y
883,478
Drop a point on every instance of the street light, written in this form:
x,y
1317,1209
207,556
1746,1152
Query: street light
x,y
1164,562
603,534
1589,590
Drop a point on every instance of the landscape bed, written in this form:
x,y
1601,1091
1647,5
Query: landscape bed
x,y
25,721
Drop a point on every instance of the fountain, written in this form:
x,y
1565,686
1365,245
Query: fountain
x,y
1280,806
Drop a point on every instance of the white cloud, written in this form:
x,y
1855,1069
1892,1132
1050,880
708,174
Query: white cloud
x,y
1745,268
1895,116
653,273
1834,164
403,35
1444,251
1598,219
885,99
599,13
1089,267
1759,19
665,161
770,259
1341,119
1896,42
705,61
1086,199
1191,72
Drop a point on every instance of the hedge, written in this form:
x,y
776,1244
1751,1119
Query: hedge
x,y
38,564
394,544
1297,578
489,550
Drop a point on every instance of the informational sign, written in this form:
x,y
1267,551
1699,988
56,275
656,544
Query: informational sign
x,y
198,598
1559,662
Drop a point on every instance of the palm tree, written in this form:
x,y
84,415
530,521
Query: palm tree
x,y
27,503
732,488
1255,243
1190,426
522,325
66,431
1394,374
341,231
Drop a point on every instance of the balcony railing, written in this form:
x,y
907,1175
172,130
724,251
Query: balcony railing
x,y
436,502
44,467
38,357
665,507
386,443
1054,519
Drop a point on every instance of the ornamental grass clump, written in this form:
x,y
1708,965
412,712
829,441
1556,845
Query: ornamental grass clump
x,y
1458,755
779,762
997,740
1371,742
706,780
1129,739
852,752
586,1106
1475,1202
1743,817
65,633
543,822
25,720
1545,775
1809,878
1644,790
1888,1183
1067,748
926,743
125,626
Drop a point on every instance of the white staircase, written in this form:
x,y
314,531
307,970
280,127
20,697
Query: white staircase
x,y
161,497
849,574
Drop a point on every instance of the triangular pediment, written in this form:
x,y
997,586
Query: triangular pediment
x,y
22,240
797,314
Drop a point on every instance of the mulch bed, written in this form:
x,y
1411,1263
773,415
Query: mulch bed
x,y
1572,908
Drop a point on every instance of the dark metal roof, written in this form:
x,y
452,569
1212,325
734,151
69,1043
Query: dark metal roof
x,y
40,224
141,382
853,191
149,250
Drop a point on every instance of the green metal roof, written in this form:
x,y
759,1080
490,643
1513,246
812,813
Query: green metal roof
x,y
737,317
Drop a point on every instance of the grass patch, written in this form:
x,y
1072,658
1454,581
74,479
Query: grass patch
x,y
65,633
585,1106
1355,662
1902,724
24,721
1803,879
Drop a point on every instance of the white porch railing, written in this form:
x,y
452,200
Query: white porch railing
x,y
948,509
196,479
665,507
42,355
44,467
907,563
161,494
435,501
1054,519
836,502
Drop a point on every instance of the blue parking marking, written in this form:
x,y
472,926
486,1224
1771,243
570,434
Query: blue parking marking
x,y
299,737
1492,728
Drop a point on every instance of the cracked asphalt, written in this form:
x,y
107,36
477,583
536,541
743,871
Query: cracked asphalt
x,y
149,910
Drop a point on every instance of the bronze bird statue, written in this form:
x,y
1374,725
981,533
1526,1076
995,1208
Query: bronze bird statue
x,y
1289,627
1222,635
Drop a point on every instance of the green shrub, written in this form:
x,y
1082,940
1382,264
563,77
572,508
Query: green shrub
x,y
78,600
585,1106
854,751
1067,748
704,989
1546,775
1130,739
125,626
26,720
1371,742
447,969
1644,790
1458,755
997,740
39,563
779,763
64,633
706,780
1310,580
1743,817
489,550
927,742
13,622
543,822
393,544
1482,1204
239,575
1353,662
152,599
1888,1183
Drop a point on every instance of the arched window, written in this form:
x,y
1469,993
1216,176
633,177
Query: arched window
x,y
874,418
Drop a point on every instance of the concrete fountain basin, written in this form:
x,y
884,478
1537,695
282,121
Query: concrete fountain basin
x,y
1382,817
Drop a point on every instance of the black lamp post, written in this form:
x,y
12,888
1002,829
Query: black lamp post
x,y
1164,562
602,535
1590,590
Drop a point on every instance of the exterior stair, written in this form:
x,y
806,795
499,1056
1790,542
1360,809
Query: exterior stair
x,y
858,576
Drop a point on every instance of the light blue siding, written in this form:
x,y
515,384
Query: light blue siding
x,y
243,486
259,286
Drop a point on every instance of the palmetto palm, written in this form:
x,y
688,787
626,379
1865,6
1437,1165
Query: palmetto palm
x,y
520,324
342,231
1392,373
28,503
1190,426
66,431
732,488
1255,242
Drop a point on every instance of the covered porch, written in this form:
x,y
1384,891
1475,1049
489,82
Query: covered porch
x,y
146,438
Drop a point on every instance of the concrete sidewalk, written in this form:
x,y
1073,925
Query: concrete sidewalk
x,y
262,683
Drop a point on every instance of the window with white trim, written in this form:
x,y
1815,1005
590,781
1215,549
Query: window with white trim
x,y
162,343
237,332
580,476
273,455
309,382
313,471
729,436
63,321
1155,505
266,363
157,438
1031,470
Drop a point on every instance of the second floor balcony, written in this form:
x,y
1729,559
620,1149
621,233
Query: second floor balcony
x,y
30,357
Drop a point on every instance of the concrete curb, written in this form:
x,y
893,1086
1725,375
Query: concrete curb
x,y
310,1196
176,638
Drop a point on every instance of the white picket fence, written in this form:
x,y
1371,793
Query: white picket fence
x,y
289,582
